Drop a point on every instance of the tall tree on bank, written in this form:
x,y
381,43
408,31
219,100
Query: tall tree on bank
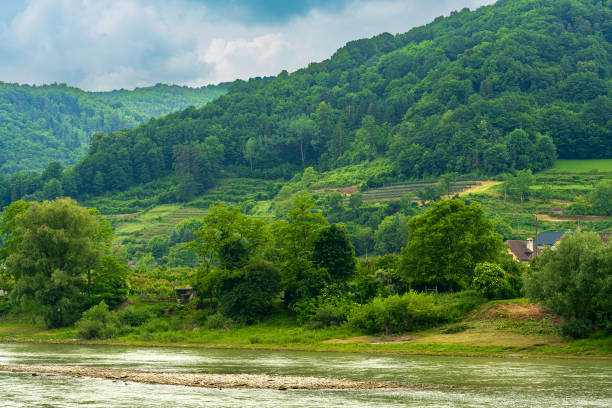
x,y
55,253
575,281
446,243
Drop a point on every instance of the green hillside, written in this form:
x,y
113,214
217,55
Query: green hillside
x,y
494,90
42,124
507,87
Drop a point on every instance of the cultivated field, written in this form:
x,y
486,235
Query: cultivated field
x,y
581,166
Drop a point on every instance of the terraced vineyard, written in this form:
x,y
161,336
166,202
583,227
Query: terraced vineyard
x,y
159,221
162,219
408,190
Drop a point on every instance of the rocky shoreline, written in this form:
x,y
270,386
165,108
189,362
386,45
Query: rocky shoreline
x,y
221,381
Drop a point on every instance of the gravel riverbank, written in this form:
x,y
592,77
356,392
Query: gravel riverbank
x,y
253,381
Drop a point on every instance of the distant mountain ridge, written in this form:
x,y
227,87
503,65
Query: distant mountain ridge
x,y
41,124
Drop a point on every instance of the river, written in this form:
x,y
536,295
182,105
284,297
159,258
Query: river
x,y
476,382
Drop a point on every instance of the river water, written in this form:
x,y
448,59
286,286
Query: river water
x,y
476,382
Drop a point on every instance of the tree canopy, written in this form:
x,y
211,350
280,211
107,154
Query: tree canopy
x,y
42,124
446,243
506,87
575,281
55,252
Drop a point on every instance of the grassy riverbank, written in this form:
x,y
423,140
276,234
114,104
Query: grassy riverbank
x,y
501,328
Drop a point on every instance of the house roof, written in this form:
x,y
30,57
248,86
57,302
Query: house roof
x,y
519,249
549,238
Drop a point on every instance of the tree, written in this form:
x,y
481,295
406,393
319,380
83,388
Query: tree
x,y
601,198
158,247
183,255
304,132
249,151
489,280
391,235
248,293
429,193
296,235
53,253
496,159
295,238
447,182
332,250
521,148
519,185
52,171
446,243
109,282
228,235
575,281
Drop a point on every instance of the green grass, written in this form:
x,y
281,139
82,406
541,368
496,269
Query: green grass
x,y
493,329
581,166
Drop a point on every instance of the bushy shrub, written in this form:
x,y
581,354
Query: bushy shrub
x,y
217,322
490,280
454,306
133,317
331,315
331,307
98,323
396,314
5,307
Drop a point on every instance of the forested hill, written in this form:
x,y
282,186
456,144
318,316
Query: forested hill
x,y
508,86
41,124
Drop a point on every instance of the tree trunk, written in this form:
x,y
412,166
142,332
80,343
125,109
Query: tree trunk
x,y
302,152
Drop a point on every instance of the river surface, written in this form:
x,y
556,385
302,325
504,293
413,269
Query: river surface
x,y
476,382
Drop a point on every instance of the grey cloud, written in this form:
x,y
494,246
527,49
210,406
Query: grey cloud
x,y
102,45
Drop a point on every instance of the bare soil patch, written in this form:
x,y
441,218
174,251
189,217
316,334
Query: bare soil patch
x,y
481,187
546,217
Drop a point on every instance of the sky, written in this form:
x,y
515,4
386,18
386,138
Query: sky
x,y
102,45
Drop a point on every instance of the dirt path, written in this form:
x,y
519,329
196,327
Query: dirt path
x,y
481,187
227,381
546,217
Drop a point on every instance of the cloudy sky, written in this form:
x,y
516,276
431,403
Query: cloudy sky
x,y
111,44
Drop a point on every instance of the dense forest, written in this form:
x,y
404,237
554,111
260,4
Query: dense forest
x,y
42,124
507,87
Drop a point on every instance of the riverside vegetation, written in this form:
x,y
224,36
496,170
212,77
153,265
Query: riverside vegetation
x,y
307,209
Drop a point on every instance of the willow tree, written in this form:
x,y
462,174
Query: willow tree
x,y
56,253
446,243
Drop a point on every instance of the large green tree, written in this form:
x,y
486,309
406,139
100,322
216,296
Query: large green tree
x,y
446,243
333,250
229,238
55,253
574,280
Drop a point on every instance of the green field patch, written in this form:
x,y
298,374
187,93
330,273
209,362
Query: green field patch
x,y
581,166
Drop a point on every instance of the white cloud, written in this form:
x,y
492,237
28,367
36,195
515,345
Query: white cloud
x,y
106,44
243,58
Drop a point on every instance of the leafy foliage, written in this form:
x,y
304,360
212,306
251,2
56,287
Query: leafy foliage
x,y
575,281
43,124
98,323
55,253
332,250
446,243
489,280
504,88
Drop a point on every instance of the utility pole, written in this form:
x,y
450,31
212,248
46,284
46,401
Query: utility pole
x,y
536,233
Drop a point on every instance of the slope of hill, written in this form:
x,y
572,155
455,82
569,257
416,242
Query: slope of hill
x,y
41,124
506,87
